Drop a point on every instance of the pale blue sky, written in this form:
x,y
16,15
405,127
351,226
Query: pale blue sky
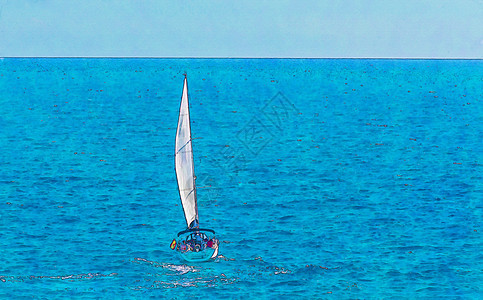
x,y
250,28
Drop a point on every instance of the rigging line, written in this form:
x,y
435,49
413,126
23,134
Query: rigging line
x,y
183,146
188,193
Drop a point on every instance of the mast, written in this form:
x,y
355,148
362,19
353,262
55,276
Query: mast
x,y
185,84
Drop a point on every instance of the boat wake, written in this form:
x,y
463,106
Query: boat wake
x,y
174,276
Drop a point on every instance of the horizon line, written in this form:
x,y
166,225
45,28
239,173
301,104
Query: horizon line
x,y
249,57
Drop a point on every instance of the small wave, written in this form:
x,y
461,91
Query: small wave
x,y
72,277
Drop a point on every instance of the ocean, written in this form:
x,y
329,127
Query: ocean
x,y
323,178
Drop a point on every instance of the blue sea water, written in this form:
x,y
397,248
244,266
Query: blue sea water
x,y
325,179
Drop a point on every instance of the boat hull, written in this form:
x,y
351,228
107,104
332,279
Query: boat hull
x,y
197,245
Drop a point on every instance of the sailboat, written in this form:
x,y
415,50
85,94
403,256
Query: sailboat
x,y
194,244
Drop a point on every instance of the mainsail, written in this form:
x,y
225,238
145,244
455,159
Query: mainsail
x,y
184,165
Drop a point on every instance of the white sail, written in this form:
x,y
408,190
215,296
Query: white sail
x,y
185,172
